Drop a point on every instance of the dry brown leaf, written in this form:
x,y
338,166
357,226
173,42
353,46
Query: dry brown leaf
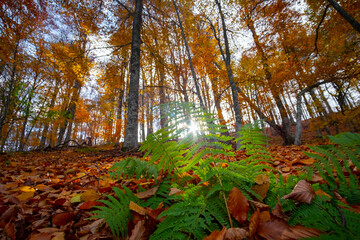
x,y
6,216
41,236
216,235
148,193
254,222
238,205
62,219
264,217
90,195
260,205
299,232
261,189
279,212
136,208
10,230
88,205
302,192
236,234
272,229
261,179
58,236
175,191
95,226
138,233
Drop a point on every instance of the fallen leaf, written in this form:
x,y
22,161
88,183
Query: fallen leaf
x,y
175,191
238,205
286,169
76,198
41,236
216,235
10,230
279,212
24,196
299,232
260,205
87,205
26,189
261,179
264,216
261,189
302,192
254,222
95,226
62,219
90,195
272,229
148,193
138,233
136,208
58,236
236,234
6,216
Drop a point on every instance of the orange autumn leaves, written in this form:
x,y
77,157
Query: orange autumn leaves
x,y
263,223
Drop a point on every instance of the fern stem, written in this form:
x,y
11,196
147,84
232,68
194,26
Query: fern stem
x,y
225,201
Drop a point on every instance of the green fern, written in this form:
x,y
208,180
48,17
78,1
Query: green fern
x,y
116,212
133,167
336,222
334,158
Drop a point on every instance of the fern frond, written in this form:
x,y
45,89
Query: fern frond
x,y
133,167
116,212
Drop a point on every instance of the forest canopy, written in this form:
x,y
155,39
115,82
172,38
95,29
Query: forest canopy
x,y
98,70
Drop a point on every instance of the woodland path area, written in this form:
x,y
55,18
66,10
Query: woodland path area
x,y
49,195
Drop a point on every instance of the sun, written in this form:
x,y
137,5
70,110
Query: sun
x,y
194,128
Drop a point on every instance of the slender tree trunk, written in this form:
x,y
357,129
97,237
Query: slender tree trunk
x,y
355,24
286,124
234,90
198,93
72,109
131,135
46,127
8,99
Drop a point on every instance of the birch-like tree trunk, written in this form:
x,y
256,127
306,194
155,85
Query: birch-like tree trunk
x,y
131,134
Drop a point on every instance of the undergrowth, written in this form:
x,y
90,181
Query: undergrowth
x,y
199,165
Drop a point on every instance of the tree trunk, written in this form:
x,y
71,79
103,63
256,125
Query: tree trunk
x,y
72,109
198,93
131,135
230,74
46,127
286,123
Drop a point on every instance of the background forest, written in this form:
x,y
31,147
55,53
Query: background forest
x,y
72,70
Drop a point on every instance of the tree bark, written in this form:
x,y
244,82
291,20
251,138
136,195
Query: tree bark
x,y
131,135
286,123
198,93
72,109
238,117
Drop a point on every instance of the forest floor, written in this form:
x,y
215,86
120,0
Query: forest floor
x,y
50,195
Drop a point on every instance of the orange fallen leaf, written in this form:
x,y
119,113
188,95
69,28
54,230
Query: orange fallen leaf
x,y
24,196
254,222
136,208
87,205
90,195
216,235
236,234
62,219
238,205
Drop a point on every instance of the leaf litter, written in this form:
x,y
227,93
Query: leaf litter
x,y
50,195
